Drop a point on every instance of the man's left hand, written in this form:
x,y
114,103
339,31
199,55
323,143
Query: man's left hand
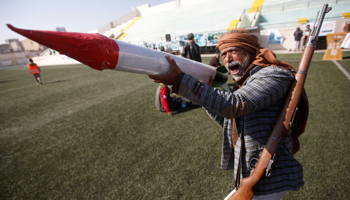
x,y
168,78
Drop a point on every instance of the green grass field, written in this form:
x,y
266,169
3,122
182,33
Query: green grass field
x,y
86,134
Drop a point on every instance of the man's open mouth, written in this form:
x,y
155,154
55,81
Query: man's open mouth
x,y
234,67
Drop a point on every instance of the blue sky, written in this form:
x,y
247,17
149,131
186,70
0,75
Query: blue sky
x,y
74,15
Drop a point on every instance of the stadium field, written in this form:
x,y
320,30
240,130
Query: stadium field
x,y
87,134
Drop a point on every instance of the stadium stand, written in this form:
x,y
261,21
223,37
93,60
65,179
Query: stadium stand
x,y
208,17
283,14
178,18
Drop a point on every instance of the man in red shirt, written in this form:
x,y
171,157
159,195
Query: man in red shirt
x,y
163,99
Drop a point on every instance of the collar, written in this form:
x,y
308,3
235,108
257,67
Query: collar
x,y
254,70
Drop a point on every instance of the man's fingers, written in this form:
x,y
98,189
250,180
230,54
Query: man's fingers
x,y
154,79
211,81
171,60
169,77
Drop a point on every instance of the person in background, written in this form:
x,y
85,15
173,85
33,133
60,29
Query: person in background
x,y
163,99
307,34
298,34
215,61
248,114
191,50
35,70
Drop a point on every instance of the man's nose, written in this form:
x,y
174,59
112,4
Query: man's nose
x,y
228,57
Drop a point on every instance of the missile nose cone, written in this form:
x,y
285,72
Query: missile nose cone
x,y
91,49
10,26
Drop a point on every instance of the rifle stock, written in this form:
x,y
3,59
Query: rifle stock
x,y
282,125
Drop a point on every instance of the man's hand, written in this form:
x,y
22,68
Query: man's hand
x,y
169,77
211,81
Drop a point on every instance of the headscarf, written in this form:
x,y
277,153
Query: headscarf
x,y
239,37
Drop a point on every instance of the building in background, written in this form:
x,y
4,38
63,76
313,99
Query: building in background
x,y
15,45
62,29
5,48
30,45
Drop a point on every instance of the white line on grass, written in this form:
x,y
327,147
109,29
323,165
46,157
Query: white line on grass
x,y
342,69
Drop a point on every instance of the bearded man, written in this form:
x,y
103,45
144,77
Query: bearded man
x,y
248,114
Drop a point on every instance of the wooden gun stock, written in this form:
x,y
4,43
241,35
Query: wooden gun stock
x,y
282,126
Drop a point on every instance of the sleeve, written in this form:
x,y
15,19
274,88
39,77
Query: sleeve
x,y
184,52
199,54
265,88
165,100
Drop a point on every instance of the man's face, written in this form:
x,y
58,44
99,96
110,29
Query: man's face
x,y
236,61
191,41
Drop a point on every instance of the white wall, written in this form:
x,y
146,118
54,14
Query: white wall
x,y
56,59
191,2
15,59
288,39
147,9
339,25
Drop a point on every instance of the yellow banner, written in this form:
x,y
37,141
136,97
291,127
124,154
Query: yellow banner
x,y
334,41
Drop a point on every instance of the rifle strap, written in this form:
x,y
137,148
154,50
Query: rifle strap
x,y
234,133
234,142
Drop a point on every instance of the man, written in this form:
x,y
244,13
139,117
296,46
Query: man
x,y
215,62
248,114
163,99
191,50
307,34
154,47
35,70
298,34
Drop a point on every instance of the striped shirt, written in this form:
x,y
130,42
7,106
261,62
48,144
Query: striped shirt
x,y
255,107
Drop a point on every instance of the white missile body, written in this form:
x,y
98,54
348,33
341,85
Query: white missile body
x,y
137,59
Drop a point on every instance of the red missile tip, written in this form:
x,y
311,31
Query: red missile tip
x,y
91,49
10,26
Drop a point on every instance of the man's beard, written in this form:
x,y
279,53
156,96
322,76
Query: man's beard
x,y
241,65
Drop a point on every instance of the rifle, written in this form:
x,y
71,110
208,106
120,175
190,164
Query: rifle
x,y
284,121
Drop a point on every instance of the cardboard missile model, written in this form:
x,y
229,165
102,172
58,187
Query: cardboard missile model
x,y
100,52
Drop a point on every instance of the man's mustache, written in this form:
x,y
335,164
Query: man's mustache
x,y
232,64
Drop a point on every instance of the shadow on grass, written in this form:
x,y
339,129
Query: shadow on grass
x,y
50,82
178,109
347,57
6,81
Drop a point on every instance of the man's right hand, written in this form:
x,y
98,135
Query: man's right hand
x,y
169,77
